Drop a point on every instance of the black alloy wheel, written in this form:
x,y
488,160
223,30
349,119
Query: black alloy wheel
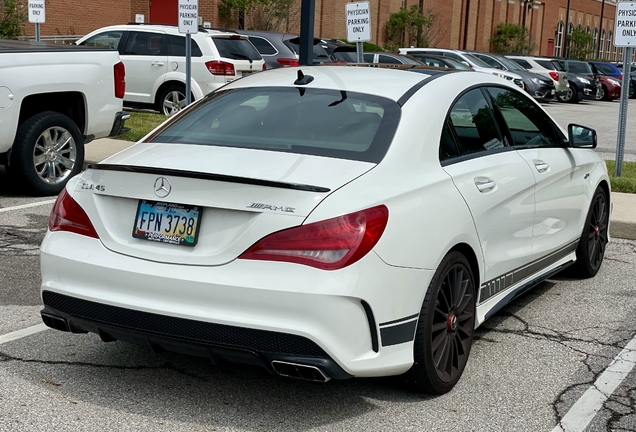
x,y
591,249
445,329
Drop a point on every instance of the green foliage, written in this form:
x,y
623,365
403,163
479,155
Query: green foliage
x,y
580,44
141,124
269,15
411,23
627,182
511,38
12,16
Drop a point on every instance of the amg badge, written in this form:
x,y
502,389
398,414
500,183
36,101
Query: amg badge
x,y
262,206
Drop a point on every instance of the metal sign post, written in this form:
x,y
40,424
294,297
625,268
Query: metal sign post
x,y
358,25
188,24
624,36
37,15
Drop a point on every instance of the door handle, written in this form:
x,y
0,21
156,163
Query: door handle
x,y
485,184
157,63
541,166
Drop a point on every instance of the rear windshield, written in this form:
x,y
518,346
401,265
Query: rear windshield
x,y
318,50
550,65
338,124
237,49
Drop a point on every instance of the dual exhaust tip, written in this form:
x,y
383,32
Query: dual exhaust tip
x,y
56,323
299,371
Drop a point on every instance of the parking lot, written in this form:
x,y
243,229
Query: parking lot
x,y
530,366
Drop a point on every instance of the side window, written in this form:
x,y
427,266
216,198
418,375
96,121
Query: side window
x,y
176,46
527,124
388,59
368,58
146,44
105,40
262,45
447,147
474,124
523,63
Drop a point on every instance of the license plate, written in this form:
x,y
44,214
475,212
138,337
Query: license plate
x,y
164,222
553,92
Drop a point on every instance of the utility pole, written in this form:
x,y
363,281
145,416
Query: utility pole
x,y
598,41
566,42
467,15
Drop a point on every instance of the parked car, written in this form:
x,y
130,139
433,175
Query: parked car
x,y
440,61
281,222
548,68
344,54
467,59
610,87
540,87
282,49
154,56
609,69
583,79
53,100
632,79
390,58
330,45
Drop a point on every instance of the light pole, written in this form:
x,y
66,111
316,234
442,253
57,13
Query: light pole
x,y
566,45
598,41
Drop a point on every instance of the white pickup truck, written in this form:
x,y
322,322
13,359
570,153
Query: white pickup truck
x,y
53,100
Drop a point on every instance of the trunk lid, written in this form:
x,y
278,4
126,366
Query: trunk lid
x,y
243,194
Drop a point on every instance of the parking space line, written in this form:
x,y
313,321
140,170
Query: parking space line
x,y
22,333
23,206
586,408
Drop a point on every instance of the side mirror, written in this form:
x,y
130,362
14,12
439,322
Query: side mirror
x,y
581,136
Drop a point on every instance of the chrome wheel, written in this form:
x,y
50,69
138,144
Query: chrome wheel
x,y
173,102
54,155
597,232
567,96
453,323
600,94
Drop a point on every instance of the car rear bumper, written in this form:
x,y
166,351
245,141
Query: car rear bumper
x,y
254,312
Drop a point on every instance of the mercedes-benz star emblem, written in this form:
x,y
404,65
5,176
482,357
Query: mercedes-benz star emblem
x,y
162,187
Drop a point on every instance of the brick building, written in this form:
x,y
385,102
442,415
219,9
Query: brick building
x,y
466,24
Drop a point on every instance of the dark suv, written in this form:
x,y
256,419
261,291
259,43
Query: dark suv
x,y
281,49
584,80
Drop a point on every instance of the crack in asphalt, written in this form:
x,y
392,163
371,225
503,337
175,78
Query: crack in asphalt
x,y
167,365
564,338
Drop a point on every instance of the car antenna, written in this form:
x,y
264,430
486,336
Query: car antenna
x,y
303,79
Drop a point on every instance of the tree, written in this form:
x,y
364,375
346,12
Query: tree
x,y
511,38
269,15
12,16
416,25
580,44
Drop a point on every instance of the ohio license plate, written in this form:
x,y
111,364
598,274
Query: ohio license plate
x,y
164,222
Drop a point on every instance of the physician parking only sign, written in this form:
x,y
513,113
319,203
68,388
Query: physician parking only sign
x,y
625,24
188,16
358,21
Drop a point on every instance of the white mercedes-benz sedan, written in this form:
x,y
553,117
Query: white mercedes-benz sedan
x,y
328,222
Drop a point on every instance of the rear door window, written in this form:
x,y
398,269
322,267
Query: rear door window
x,y
236,49
263,46
388,59
176,46
474,125
338,124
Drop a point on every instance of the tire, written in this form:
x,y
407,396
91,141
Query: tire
x,y
439,334
632,94
47,152
172,100
602,94
570,96
591,249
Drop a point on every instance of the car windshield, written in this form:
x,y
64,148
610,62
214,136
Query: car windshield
x,y
510,64
476,61
457,65
338,124
237,49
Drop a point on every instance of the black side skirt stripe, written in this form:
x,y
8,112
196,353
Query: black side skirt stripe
x,y
502,283
206,176
399,320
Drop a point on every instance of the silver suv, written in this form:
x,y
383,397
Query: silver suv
x,y
154,56
546,67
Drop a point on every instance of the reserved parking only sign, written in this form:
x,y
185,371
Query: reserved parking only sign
x,y
37,12
625,24
188,16
358,21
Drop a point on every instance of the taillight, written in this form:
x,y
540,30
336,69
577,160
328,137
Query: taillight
x,y
554,75
620,77
67,215
264,66
221,68
120,80
288,61
328,245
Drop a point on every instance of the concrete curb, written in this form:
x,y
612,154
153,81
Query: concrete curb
x,y
623,219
